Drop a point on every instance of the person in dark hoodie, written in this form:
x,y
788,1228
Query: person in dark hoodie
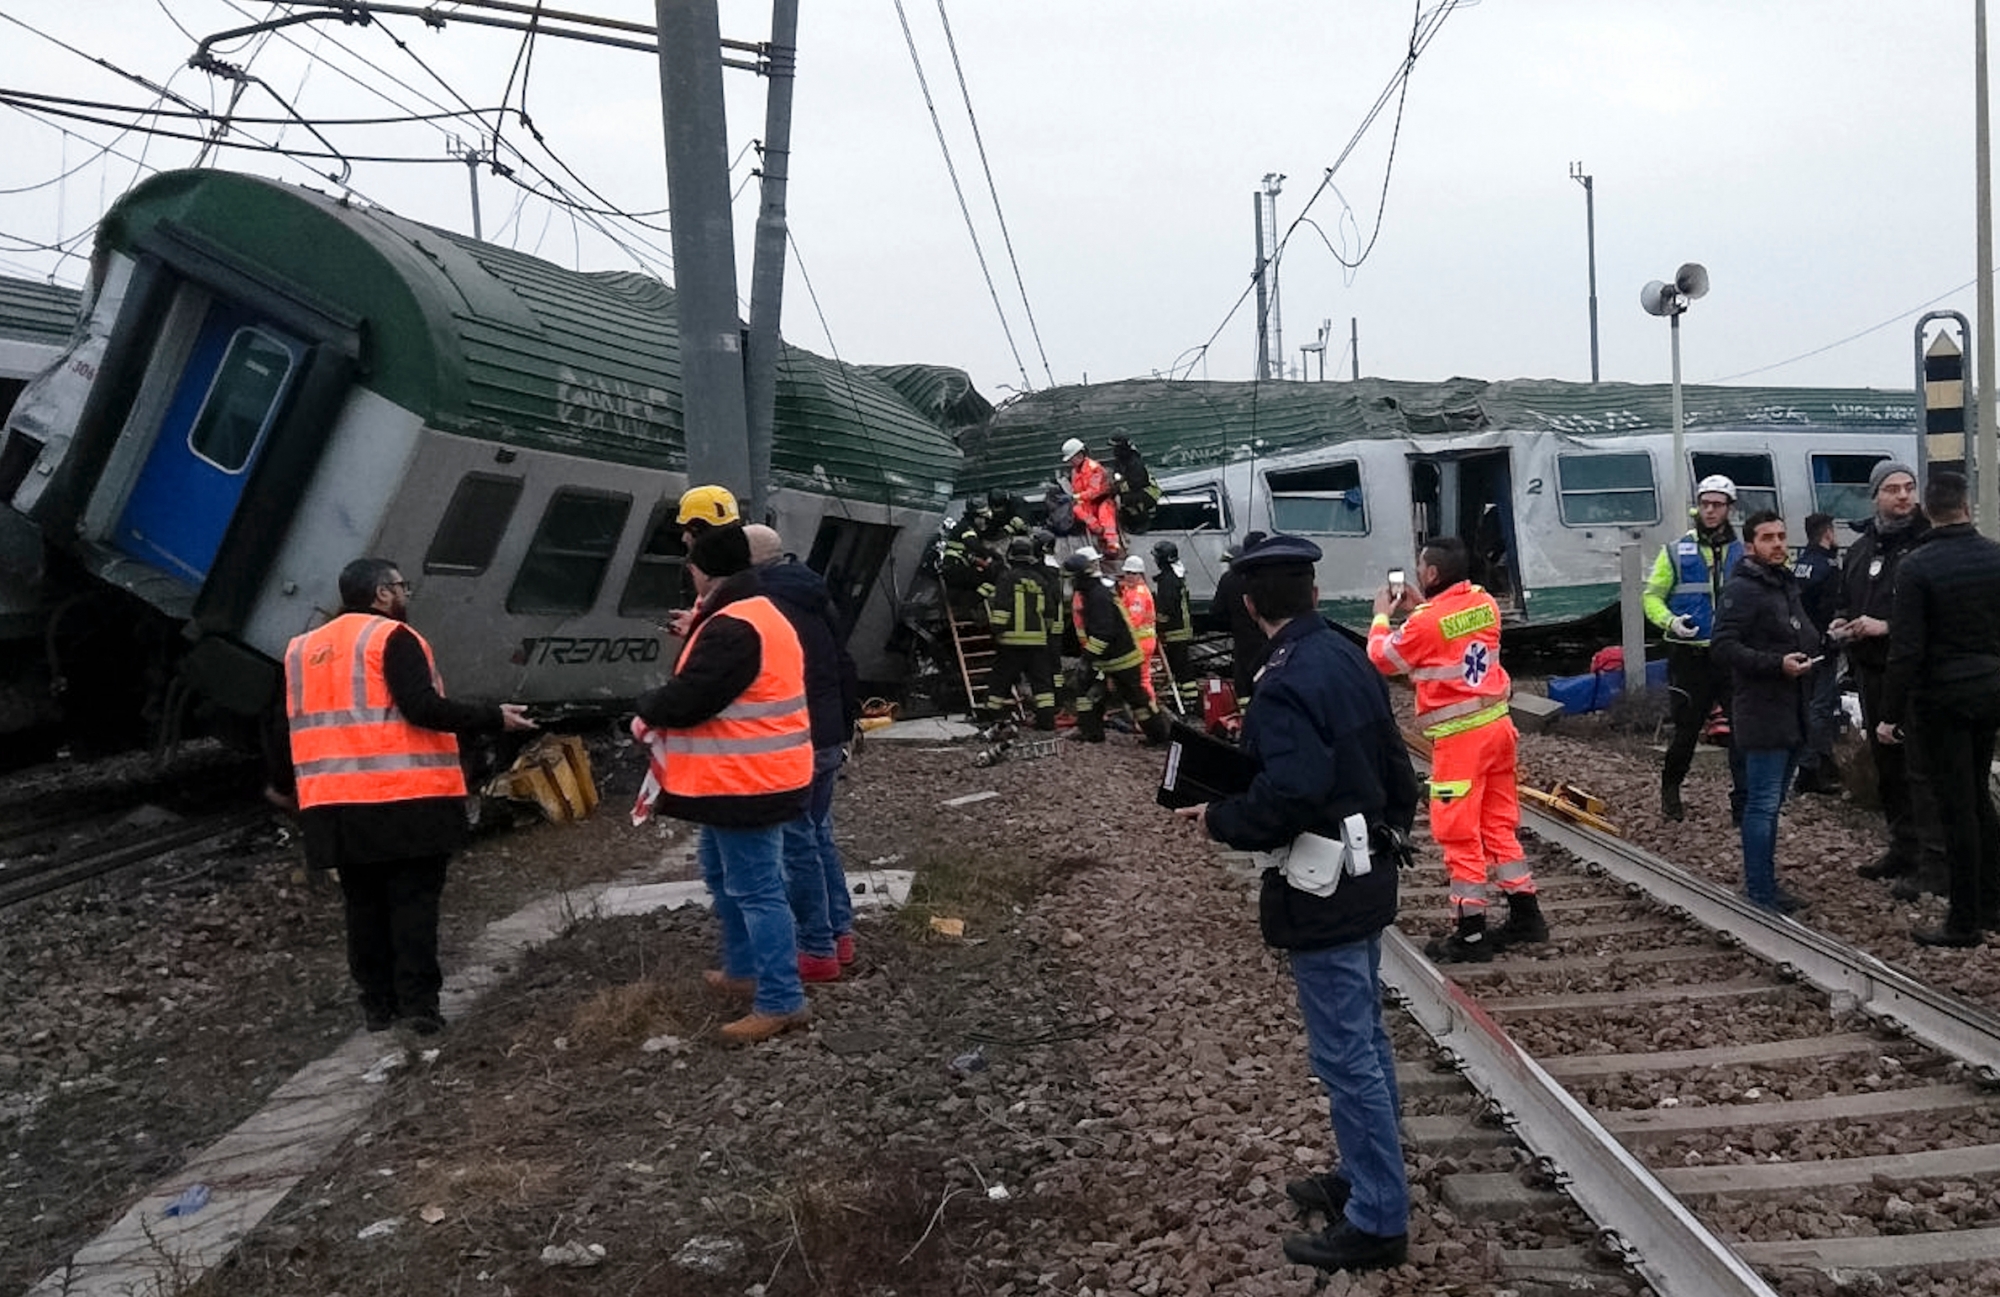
x,y
1768,644
1944,672
814,876
736,757
1227,613
1862,625
1817,569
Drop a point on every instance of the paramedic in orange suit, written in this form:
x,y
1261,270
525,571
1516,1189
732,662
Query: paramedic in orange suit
x,y
1450,649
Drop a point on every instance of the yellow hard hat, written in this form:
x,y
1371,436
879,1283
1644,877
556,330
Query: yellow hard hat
x,y
713,505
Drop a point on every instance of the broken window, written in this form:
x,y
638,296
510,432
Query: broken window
x,y
1197,508
572,548
1840,485
1325,498
655,584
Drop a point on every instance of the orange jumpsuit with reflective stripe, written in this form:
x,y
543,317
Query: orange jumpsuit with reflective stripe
x,y
1450,649
349,742
1096,502
762,741
1137,598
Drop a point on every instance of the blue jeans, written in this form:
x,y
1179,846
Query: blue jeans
x,y
813,876
1340,998
1766,773
744,869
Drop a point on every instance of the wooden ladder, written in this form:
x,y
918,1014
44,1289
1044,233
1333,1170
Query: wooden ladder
x,y
975,647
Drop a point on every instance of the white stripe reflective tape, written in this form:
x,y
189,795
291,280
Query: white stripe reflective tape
x,y
683,742
387,761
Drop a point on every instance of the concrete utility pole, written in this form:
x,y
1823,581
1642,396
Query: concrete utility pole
x,y
1274,184
767,267
1263,303
1576,173
1354,344
711,340
1986,475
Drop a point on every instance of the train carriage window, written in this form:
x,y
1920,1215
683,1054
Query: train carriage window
x,y
1325,499
1197,508
1840,484
655,583
565,564
1615,487
473,524
1756,483
242,399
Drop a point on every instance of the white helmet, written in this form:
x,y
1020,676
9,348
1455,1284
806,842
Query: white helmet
x,y
1072,448
1087,553
1715,484
1134,564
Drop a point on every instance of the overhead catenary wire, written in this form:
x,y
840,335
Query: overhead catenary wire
x,y
951,169
994,190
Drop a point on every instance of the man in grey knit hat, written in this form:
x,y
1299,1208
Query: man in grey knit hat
x,y
1861,624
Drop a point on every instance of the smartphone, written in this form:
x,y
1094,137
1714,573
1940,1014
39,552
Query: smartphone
x,y
1395,580
1815,661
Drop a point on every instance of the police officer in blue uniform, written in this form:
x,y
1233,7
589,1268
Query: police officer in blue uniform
x,y
1333,783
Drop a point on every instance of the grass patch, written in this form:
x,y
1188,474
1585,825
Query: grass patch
x,y
619,1017
981,888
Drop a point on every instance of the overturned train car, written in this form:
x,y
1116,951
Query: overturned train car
x,y
267,382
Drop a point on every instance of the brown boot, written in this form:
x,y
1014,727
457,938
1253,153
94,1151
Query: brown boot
x,y
717,980
753,1027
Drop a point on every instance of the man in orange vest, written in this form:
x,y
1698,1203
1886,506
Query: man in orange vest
x,y
1137,598
1450,649
736,757
381,797
1094,496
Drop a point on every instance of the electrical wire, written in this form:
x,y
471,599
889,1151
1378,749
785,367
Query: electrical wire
x,y
1852,337
994,190
965,211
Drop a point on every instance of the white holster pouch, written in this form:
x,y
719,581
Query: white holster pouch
x,y
1315,864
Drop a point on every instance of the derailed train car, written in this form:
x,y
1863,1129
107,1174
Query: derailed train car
x,y
1545,479
269,381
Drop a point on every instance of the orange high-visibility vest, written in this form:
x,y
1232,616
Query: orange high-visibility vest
x,y
1088,482
1450,649
350,745
762,741
1139,610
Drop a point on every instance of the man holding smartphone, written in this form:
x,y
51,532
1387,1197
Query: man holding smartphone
x,y
1767,642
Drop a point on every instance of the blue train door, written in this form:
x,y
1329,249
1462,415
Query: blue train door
x,y
216,425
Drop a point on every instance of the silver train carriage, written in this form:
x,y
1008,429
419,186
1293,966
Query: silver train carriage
x,y
1549,478
269,382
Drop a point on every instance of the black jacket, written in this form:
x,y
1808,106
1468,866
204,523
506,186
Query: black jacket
x,y
380,832
1868,584
1105,624
1173,616
1818,574
1944,640
833,685
1763,619
722,664
1226,612
1325,744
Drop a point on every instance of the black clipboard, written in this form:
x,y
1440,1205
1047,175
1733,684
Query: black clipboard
x,y
1201,768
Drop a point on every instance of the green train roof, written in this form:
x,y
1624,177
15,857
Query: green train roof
x,y
488,342
32,311
1184,425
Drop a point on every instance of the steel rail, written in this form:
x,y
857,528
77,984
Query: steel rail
x,y
1654,1233
65,873
1938,1018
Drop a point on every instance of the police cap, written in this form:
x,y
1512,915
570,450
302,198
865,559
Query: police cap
x,y
1275,550
1079,564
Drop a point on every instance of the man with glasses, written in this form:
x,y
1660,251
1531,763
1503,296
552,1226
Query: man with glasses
x,y
1681,597
381,795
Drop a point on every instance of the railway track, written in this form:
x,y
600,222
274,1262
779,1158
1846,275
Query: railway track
x,y
23,880
1733,1098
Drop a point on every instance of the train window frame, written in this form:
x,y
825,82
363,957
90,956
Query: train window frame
x,y
1288,489
1858,502
469,533
662,568
1565,492
1207,500
1751,496
223,370
545,560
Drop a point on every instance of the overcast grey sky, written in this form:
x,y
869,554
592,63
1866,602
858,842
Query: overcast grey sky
x,y
1816,155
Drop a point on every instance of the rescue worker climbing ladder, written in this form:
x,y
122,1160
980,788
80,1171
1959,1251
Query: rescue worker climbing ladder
x,y
1017,610
1450,649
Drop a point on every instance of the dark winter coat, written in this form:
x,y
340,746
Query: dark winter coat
x,y
1818,573
833,685
1325,744
1868,584
1762,620
1944,639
